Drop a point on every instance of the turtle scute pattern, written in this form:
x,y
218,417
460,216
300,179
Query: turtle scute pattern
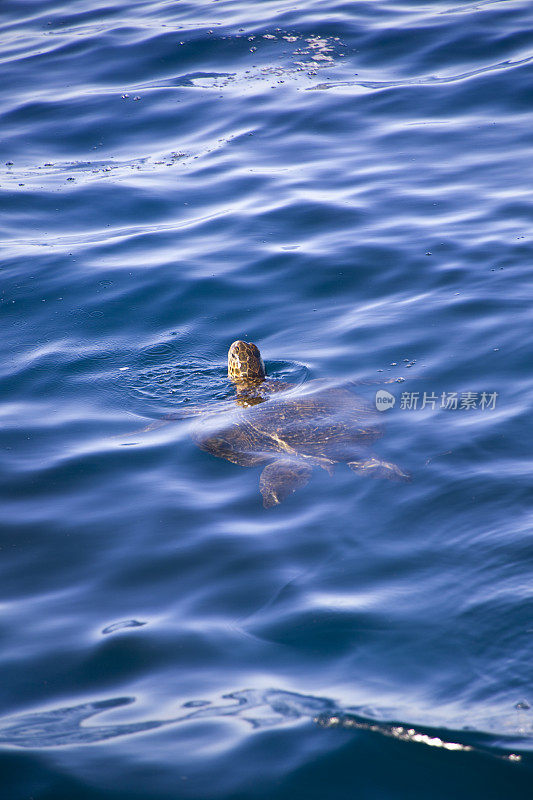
x,y
293,433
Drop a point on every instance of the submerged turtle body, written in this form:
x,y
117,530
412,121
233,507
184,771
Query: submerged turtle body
x,y
291,433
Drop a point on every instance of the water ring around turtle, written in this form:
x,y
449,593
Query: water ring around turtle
x,y
167,388
263,420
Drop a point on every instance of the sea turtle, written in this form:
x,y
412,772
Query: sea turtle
x,y
291,430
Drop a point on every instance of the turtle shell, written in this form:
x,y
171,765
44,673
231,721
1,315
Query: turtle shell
x,y
322,423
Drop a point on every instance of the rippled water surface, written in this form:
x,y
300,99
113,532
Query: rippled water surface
x,y
349,186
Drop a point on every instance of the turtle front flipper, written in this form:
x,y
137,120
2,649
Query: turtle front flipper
x,y
379,469
279,479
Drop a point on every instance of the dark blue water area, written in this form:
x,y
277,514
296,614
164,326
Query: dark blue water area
x,y
348,185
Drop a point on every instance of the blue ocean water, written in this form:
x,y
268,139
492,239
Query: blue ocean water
x,y
349,186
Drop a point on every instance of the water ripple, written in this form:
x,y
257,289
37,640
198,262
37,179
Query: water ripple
x,y
170,183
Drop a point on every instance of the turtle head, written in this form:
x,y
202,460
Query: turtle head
x,y
245,365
